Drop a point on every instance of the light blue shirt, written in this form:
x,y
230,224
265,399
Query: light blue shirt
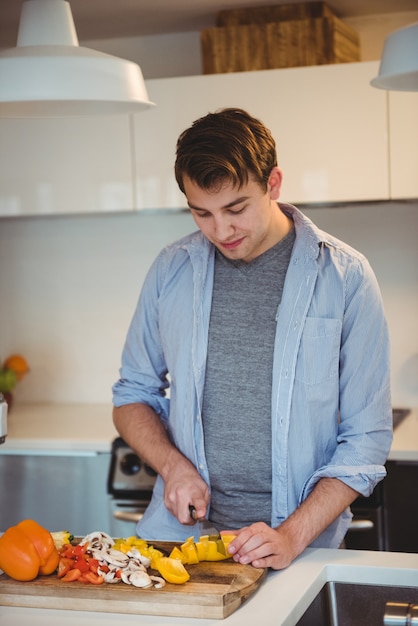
x,y
330,408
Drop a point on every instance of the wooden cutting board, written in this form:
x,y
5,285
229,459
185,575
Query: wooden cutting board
x,y
215,590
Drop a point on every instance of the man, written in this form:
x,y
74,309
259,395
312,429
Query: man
x,y
271,338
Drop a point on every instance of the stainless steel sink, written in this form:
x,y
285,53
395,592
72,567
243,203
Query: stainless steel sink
x,y
346,604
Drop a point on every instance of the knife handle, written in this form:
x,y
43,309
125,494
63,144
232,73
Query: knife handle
x,y
192,512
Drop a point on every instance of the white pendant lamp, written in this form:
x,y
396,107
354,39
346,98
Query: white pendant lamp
x,y
49,75
398,69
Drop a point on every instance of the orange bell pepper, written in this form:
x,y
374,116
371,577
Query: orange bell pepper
x,y
27,550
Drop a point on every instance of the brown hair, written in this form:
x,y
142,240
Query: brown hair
x,y
228,145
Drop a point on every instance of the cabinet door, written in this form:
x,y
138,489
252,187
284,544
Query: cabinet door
x,y
330,126
60,492
403,126
67,165
401,506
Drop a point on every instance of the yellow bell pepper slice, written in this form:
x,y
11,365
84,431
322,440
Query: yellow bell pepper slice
x,y
176,553
190,553
172,570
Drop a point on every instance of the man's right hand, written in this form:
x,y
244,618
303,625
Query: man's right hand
x,y
184,486
143,430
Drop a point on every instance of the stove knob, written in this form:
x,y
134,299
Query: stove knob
x,y
150,471
130,464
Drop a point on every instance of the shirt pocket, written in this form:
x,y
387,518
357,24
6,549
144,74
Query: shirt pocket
x,y
319,351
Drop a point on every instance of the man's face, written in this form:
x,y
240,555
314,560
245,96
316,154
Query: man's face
x,y
242,223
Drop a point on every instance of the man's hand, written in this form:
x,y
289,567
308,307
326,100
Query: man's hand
x,y
143,430
263,546
183,486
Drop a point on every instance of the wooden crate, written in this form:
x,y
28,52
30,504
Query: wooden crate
x,y
274,13
277,45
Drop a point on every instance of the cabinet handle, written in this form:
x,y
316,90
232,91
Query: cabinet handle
x,y
400,614
361,524
128,516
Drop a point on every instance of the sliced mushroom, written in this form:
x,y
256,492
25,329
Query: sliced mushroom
x,y
115,558
159,582
110,577
98,538
140,579
146,561
135,565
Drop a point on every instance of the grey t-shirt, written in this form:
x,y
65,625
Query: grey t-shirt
x,y
237,392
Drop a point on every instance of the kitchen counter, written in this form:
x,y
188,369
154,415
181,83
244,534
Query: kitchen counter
x,y
59,428
51,428
281,600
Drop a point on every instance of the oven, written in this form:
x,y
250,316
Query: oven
x,y
367,530
129,485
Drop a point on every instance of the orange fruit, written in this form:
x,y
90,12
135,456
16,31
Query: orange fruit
x,y
18,364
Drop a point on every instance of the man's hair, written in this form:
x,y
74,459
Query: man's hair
x,y
226,146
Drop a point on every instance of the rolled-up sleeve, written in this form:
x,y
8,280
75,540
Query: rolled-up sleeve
x,y
365,414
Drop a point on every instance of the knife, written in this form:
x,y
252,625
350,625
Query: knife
x,y
204,526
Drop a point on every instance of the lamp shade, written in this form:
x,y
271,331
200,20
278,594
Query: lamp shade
x,y
49,75
398,69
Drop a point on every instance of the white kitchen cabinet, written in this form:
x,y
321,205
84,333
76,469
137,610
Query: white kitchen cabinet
x,y
403,141
65,165
330,126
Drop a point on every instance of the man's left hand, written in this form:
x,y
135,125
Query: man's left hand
x,y
262,546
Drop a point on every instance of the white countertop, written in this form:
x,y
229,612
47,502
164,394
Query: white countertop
x,y
62,428
280,601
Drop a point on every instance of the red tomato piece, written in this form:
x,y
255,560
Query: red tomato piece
x,y
82,565
93,578
71,575
67,551
79,551
64,566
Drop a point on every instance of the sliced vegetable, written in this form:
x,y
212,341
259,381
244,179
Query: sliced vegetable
x,y
77,564
173,570
98,558
61,537
206,549
176,553
189,551
71,575
136,543
92,578
64,566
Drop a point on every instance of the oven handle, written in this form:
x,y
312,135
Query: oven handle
x,y
128,516
361,525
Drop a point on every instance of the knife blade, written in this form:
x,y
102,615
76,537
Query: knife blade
x,y
204,527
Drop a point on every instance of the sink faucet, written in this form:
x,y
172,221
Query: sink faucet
x,y
3,419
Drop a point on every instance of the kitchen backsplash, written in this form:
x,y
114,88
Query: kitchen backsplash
x,y
69,286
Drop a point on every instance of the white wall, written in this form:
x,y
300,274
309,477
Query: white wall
x,y
69,286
